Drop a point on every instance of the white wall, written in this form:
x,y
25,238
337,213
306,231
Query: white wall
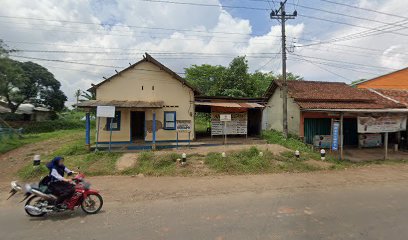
x,y
272,117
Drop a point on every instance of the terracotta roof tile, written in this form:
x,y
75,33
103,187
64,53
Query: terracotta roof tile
x,y
400,96
334,95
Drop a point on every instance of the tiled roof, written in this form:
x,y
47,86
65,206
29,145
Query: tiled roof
x,y
400,96
333,95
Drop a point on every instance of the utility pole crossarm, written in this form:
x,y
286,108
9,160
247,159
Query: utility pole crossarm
x,y
281,15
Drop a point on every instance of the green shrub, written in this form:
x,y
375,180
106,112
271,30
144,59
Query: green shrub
x,y
149,164
50,126
245,161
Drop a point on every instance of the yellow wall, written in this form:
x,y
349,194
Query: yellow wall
x,y
395,80
128,86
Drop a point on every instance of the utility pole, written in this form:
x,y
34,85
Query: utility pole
x,y
281,15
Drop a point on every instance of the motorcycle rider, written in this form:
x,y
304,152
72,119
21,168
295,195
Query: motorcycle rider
x,y
60,186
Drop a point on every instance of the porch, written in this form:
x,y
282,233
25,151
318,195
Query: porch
x,y
161,145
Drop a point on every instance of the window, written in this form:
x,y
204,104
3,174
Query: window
x,y
170,120
115,122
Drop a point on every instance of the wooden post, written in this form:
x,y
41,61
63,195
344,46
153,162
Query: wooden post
x,y
386,146
341,136
154,132
225,132
177,140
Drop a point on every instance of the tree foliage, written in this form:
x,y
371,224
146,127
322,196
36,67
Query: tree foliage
x,y
232,81
22,82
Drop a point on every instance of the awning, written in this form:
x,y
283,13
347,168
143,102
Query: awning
x,y
122,104
230,104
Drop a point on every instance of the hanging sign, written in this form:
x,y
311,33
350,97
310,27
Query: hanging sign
x,y
335,139
105,111
393,123
225,117
322,141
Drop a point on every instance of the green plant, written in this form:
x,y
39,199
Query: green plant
x,y
245,161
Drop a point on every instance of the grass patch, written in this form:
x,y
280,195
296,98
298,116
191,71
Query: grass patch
x,y
76,156
151,165
8,144
251,162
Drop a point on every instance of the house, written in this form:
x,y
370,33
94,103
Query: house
x,y
28,112
393,80
150,100
314,106
154,105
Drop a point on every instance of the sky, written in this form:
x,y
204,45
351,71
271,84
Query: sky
x,y
81,42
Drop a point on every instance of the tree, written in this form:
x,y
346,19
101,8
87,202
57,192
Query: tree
x,y
28,82
233,81
77,94
88,95
205,77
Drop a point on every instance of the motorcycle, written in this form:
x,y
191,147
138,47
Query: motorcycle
x,y
40,201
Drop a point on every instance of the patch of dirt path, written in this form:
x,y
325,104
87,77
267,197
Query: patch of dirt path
x,y
14,160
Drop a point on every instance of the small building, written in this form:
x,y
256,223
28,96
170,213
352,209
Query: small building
x,y
393,80
156,106
28,112
314,106
150,100
246,115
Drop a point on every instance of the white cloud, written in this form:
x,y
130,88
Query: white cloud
x,y
133,21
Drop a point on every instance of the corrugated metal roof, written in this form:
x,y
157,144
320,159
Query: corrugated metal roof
x,y
230,104
124,104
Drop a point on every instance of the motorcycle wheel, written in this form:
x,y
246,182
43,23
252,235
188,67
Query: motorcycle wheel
x,y
32,201
92,203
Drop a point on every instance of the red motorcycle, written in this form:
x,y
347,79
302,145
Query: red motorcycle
x,y
40,201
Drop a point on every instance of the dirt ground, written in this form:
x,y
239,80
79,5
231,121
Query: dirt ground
x,y
15,159
129,159
360,155
140,188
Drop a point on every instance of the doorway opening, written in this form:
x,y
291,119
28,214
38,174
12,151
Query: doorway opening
x,y
137,122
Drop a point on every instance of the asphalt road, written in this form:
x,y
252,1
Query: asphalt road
x,y
370,210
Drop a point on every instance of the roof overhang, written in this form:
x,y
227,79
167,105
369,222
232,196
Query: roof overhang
x,y
120,103
230,104
389,110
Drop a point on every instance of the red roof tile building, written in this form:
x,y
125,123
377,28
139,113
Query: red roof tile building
x,y
313,106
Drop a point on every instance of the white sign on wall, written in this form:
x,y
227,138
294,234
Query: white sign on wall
x,y
382,124
105,111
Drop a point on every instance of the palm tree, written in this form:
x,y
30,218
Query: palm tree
x,y
88,95
77,95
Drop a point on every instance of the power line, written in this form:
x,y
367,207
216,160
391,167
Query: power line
x,y
344,62
365,9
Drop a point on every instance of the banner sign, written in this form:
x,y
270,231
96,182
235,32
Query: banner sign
x,y
105,111
183,125
237,125
322,141
335,140
382,124
369,140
